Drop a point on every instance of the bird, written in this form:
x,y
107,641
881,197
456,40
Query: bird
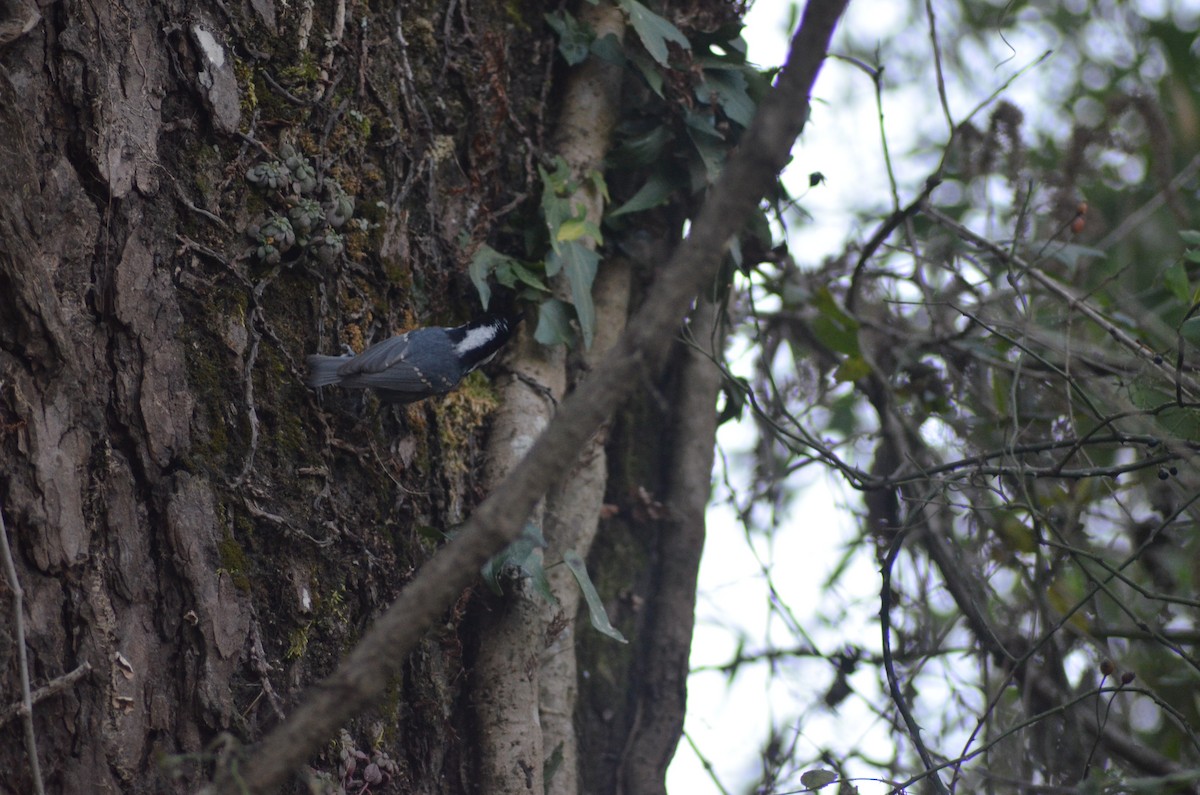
x,y
417,364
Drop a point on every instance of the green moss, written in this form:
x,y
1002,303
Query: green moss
x,y
308,70
461,414
297,642
234,562
249,92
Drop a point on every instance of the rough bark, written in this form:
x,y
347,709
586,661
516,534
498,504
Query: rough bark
x,y
184,516
663,667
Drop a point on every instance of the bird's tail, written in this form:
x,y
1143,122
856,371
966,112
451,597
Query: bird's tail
x,y
323,370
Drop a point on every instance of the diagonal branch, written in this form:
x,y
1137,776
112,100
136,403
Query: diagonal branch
x,y
366,671
26,709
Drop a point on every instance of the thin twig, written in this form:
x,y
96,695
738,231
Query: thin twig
x,y
1065,294
937,65
889,667
18,596
883,233
55,685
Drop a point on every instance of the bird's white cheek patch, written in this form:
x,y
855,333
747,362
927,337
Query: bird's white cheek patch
x,y
476,338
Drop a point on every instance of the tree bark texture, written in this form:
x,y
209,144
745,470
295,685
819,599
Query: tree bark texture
x,y
186,517
524,676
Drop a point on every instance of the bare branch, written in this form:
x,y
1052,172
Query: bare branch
x,y
26,708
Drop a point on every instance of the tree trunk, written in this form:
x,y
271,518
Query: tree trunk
x,y
186,517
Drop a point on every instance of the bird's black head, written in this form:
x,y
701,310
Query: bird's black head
x,y
481,339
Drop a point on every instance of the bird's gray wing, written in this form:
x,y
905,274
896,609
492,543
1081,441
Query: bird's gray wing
x,y
378,357
394,365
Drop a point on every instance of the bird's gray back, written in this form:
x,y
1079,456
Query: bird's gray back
x,y
421,360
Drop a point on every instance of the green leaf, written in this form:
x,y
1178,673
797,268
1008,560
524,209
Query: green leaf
x,y
1190,236
816,779
1176,279
649,70
1182,423
833,327
485,261
574,38
577,228
580,264
522,555
843,414
642,148
1015,533
513,271
507,270
554,323
852,369
596,609
652,194
729,87
608,48
1190,331
709,143
595,180
552,764
555,208
735,390
653,30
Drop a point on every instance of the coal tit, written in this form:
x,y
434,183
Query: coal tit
x,y
419,363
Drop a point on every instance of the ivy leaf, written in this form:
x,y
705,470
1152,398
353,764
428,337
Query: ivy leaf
x,y
580,264
1190,331
513,271
556,185
577,228
521,555
653,30
833,327
1176,279
649,71
608,48
709,144
735,389
652,194
596,609
554,323
1190,236
486,260
507,270
642,148
574,38
729,87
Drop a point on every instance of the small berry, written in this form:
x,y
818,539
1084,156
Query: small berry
x,y
1163,474
1128,677
1108,667
1174,471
